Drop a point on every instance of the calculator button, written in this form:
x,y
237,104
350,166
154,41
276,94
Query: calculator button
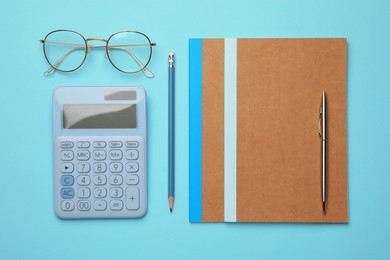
x,y
100,205
83,192
131,144
132,167
67,180
83,155
116,192
116,167
115,154
115,144
67,167
66,155
116,179
99,144
83,167
67,193
84,205
66,144
82,144
132,198
116,204
99,180
67,205
83,180
99,167
100,192
131,154
132,179
99,155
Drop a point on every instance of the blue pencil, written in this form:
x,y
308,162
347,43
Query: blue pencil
x,y
171,134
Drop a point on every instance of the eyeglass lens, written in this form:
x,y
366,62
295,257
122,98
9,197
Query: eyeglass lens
x,y
65,50
129,51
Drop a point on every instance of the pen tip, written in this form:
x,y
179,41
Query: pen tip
x,y
324,208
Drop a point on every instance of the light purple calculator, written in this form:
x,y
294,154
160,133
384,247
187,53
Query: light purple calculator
x,y
99,138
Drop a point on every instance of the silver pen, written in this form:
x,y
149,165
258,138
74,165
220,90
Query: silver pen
x,y
323,134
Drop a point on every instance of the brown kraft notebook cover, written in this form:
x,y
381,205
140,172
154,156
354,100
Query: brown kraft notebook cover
x,y
278,149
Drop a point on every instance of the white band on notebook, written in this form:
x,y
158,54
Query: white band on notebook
x,y
230,125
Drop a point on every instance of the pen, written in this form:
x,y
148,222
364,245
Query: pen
x,y
323,135
171,130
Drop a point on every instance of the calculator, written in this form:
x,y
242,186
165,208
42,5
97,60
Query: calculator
x,y
99,138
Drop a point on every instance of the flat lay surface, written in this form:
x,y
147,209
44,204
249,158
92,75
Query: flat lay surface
x,y
29,228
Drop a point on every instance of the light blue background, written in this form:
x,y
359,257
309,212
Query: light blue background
x,y
30,230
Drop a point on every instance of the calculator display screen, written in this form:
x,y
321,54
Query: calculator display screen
x,y
99,116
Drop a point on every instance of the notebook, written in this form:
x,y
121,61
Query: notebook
x,y
255,151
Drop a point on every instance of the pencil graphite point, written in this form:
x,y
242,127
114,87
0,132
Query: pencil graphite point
x,y
324,208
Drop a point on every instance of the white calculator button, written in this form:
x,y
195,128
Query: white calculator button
x,y
131,144
116,204
83,167
132,167
83,180
116,192
100,192
100,205
99,144
116,179
83,155
82,144
66,155
132,179
116,155
99,155
83,192
99,180
66,144
131,154
99,167
132,198
116,167
115,144
67,205
84,205
67,167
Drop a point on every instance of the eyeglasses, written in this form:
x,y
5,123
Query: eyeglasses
x,y
128,51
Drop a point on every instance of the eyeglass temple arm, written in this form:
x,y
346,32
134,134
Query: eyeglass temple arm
x,y
52,68
145,70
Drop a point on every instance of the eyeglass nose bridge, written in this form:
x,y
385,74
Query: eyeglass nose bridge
x,y
96,39
89,47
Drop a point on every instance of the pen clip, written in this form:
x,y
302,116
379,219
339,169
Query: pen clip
x,y
319,122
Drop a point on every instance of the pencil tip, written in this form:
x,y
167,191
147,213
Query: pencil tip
x,y
324,208
171,200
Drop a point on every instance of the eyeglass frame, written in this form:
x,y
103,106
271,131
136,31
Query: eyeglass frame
x,y
106,46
